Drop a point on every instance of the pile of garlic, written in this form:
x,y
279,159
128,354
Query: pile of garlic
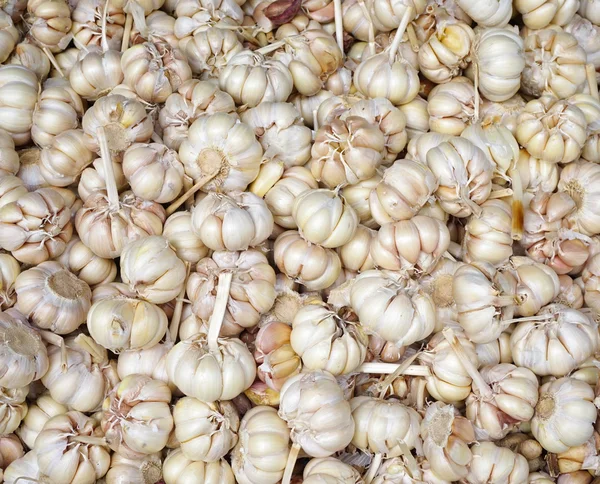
x,y
319,241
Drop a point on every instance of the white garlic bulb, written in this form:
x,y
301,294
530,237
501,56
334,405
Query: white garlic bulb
x,y
451,106
9,36
205,431
136,416
42,410
93,179
9,271
314,407
144,470
13,408
322,469
53,297
29,55
488,13
438,283
356,254
564,415
96,72
492,463
539,15
208,50
178,469
537,284
578,181
20,93
178,231
261,453
9,158
86,265
65,158
11,189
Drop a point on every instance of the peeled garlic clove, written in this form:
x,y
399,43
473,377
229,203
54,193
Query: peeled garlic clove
x,y
209,377
53,297
136,417
564,414
95,73
145,470
322,468
261,453
313,266
314,407
19,96
44,408
177,469
496,464
556,342
205,431
9,271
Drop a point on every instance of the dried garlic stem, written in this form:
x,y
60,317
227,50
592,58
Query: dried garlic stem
x,y
517,203
89,345
289,465
505,192
267,49
216,318
127,32
412,37
176,319
56,340
411,462
399,33
389,368
371,31
590,71
373,468
52,60
111,185
104,44
339,27
402,367
478,382
88,439
197,186
476,89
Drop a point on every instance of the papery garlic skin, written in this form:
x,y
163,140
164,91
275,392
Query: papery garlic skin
x,y
262,450
18,83
564,415
25,467
313,266
136,417
9,271
209,377
63,458
177,469
31,56
44,408
380,424
52,297
438,283
556,345
323,468
325,341
504,112
496,464
206,432
252,291
30,170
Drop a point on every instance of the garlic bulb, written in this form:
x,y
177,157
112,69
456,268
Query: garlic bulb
x,y
36,227
539,15
492,463
70,447
152,269
30,171
438,283
276,358
50,23
31,56
80,374
504,113
23,356
381,424
591,282
222,147
415,244
154,70
397,310
20,94
578,181
446,436
232,222
419,146
251,78
464,175
489,13
281,133
87,266
9,159
11,189
356,255
136,417
326,341
405,188
552,130
488,235
206,432
178,231
449,381
314,407
9,36
65,60
11,449
178,469
9,271
140,324
145,470
537,284
252,291
88,29
417,117
564,415
546,52
555,342
513,397
209,50
209,376
13,408
587,34
93,179
52,297
262,450
95,73
397,81
451,106
313,266
358,197
321,469
65,158
537,175
23,468
42,410
150,362
570,293
445,53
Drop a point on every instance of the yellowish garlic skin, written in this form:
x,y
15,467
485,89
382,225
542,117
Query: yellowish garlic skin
x,y
53,444
318,394
496,464
18,83
177,469
206,432
53,297
564,414
209,377
262,449
9,271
